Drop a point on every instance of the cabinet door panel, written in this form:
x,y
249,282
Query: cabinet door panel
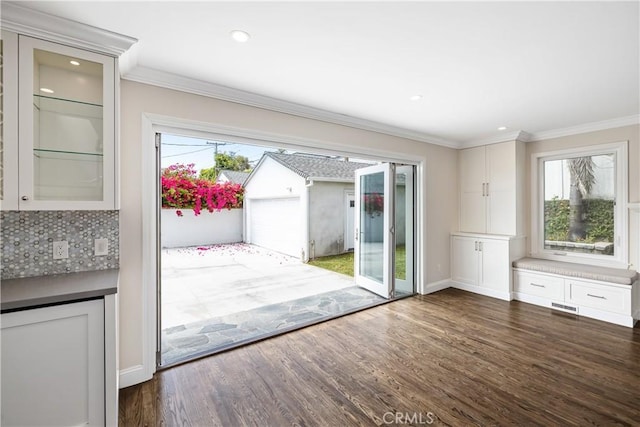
x,y
472,213
501,212
53,365
472,181
495,269
501,167
464,260
66,127
501,190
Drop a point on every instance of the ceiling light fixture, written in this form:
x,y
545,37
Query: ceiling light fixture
x,y
73,62
240,36
502,128
46,90
416,97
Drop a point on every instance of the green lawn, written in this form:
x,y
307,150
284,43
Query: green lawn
x,y
343,263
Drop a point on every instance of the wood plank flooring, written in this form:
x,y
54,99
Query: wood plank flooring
x,y
452,357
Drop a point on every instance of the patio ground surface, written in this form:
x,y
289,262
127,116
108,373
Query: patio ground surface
x,y
199,283
219,295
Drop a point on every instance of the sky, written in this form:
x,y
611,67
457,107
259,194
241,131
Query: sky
x,y
185,150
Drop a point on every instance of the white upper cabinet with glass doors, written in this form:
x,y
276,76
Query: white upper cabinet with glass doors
x,y
66,128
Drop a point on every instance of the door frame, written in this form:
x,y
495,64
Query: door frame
x,y
152,123
349,196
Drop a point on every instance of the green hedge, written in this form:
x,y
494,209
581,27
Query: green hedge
x,y
599,220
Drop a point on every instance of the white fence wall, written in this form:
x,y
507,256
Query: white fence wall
x,y
205,229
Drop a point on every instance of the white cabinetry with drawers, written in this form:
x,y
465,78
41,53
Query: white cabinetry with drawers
x,y
610,302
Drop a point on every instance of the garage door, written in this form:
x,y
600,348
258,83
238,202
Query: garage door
x,y
276,224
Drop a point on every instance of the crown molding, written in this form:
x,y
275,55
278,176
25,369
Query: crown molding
x,y
23,20
518,135
587,127
198,87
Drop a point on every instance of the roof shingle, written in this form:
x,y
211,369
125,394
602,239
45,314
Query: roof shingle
x,y
318,167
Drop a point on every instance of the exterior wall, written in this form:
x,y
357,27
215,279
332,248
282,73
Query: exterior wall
x,y
208,228
271,179
438,178
327,216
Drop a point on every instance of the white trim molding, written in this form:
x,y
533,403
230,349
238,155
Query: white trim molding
x,y
152,123
23,20
587,127
132,375
634,236
621,239
198,87
432,287
518,135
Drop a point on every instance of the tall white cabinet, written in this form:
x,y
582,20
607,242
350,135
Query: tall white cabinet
x,y
492,188
492,229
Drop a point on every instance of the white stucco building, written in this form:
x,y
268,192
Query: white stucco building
x,y
301,205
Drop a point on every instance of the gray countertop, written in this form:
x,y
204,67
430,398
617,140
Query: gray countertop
x,y
29,292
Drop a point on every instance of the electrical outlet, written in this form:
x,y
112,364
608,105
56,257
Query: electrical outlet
x,y
61,249
101,247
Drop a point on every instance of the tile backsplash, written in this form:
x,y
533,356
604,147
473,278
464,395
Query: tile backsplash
x,y
28,236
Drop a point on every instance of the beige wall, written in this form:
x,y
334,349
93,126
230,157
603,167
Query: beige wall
x,y
627,133
439,182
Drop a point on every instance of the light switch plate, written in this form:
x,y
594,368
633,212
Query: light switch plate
x,y
61,249
101,247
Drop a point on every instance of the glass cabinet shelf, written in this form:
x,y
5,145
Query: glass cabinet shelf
x,y
66,155
67,106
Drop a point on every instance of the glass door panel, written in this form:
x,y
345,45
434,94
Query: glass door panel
x,y
67,127
373,229
67,139
404,231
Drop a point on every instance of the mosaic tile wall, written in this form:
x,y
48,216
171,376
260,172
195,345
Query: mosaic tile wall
x,y
28,236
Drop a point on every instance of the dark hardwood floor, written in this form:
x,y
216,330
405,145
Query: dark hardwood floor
x,y
452,357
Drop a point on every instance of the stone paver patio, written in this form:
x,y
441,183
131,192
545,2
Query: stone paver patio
x,y
220,295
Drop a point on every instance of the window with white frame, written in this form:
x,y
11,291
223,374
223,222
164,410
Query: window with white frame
x,y
579,201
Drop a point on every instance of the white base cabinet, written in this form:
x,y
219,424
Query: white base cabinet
x,y
53,365
481,263
610,302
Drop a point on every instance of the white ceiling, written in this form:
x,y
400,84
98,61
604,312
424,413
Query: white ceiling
x,y
535,67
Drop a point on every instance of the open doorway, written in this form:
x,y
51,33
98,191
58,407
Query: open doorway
x,y
247,276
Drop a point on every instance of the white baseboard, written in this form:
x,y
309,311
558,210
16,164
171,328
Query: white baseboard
x,y
436,286
605,316
133,375
618,319
506,296
532,299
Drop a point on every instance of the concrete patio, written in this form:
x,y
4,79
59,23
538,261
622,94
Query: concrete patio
x,y
218,296
200,283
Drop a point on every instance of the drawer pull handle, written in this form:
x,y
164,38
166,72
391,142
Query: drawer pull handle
x,y
537,286
596,296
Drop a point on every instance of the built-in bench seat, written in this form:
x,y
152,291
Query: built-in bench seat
x,y
580,271
609,294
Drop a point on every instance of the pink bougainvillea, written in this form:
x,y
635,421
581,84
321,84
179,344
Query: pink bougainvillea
x,y
181,188
373,204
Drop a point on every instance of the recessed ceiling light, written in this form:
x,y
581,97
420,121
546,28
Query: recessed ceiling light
x,y
502,128
416,97
45,90
240,36
76,63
